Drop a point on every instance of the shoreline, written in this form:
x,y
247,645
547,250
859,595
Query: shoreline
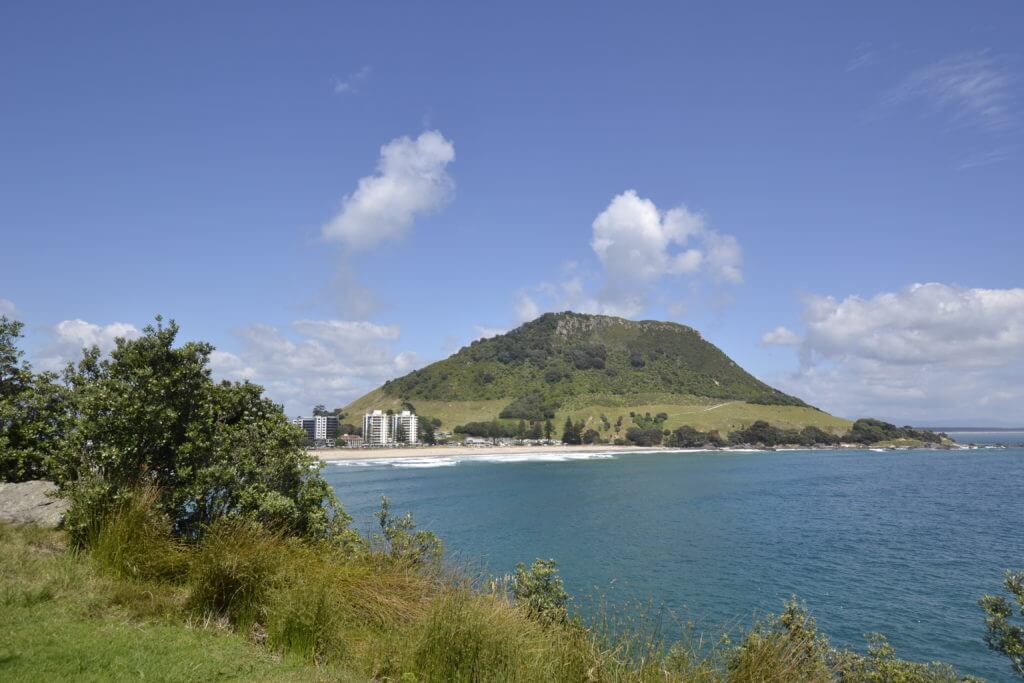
x,y
343,454
335,454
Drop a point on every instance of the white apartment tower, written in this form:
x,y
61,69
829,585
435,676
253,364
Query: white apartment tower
x,y
376,428
406,425
381,429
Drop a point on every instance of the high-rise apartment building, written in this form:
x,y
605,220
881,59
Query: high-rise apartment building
x,y
376,428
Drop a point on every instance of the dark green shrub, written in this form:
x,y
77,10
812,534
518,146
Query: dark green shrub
x,y
540,592
531,406
644,437
151,415
34,411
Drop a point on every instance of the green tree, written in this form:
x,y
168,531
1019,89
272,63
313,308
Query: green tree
x,y
151,415
320,410
568,432
34,411
549,429
521,429
1002,635
540,592
427,429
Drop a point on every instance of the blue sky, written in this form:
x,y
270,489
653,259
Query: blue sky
x,y
205,162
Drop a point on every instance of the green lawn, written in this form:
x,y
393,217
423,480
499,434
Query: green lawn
x,y
60,621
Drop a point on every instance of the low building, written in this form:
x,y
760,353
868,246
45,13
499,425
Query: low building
x,y
351,441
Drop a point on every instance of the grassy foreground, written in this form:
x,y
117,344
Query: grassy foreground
x,y
62,618
247,604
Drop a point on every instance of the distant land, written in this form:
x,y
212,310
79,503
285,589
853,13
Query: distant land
x,y
974,429
596,369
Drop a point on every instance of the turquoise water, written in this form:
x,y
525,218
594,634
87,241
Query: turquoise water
x,y
898,542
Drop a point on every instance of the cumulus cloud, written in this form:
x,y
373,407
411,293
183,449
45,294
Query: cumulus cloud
x,y
316,361
638,247
780,336
970,89
411,180
638,244
69,337
7,308
931,352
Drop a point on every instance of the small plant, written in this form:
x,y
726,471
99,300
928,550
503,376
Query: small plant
x,y
541,592
1002,635
403,542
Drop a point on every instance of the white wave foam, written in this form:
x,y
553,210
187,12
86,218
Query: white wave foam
x,y
541,457
426,462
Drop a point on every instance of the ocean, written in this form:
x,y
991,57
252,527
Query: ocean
x,y
902,543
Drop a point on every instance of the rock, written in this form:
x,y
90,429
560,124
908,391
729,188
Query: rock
x,y
32,502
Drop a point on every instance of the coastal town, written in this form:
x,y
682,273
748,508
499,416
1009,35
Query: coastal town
x,y
391,429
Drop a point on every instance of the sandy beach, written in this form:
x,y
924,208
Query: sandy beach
x,y
333,454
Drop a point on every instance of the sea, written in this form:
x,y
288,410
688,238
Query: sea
x,y
897,542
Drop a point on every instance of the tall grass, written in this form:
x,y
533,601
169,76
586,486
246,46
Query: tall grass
x,y
389,619
134,540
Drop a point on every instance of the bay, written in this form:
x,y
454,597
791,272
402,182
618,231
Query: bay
x,y
900,542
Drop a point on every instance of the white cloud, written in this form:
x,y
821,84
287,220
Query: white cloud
x,y
226,365
724,258
411,180
928,353
488,332
7,308
638,245
69,337
780,336
526,309
351,85
345,335
316,361
971,89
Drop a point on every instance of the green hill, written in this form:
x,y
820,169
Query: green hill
x,y
589,366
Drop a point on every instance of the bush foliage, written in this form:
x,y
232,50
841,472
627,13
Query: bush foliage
x,y
33,411
151,415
